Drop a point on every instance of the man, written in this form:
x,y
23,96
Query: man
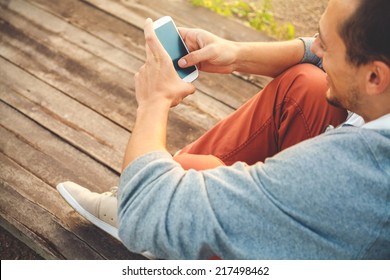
x,y
324,198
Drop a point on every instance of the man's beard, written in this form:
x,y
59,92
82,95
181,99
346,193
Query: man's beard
x,y
334,102
350,101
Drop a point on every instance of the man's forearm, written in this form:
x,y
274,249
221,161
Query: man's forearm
x,y
268,59
149,133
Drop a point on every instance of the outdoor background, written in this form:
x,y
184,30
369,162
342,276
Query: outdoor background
x,y
303,14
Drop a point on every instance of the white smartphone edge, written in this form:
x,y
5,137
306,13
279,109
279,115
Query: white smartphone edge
x,y
160,22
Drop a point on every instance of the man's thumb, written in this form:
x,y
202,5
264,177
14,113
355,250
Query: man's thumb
x,y
192,58
183,62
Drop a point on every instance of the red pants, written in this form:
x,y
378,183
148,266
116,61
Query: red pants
x,y
288,110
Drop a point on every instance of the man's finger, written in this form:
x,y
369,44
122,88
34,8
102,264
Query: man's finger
x,y
194,58
183,31
152,41
149,53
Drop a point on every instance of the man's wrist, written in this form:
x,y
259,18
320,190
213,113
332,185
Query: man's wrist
x,y
236,49
157,108
241,54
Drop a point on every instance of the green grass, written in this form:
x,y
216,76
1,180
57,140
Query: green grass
x,y
259,15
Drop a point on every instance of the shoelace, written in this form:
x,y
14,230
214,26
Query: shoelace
x,y
113,192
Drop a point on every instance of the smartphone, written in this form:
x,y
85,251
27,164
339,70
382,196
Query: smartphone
x,y
170,38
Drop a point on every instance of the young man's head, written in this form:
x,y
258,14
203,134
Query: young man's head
x,y
354,44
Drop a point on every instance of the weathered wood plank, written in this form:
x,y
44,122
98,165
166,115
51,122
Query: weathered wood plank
x,y
63,116
21,231
51,224
38,225
67,67
47,156
63,108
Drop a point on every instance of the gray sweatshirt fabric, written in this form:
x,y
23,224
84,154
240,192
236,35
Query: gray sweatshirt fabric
x,y
325,198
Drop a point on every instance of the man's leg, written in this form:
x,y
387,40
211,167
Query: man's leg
x,y
290,109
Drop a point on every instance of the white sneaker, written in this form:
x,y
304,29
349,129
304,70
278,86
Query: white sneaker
x,y
99,209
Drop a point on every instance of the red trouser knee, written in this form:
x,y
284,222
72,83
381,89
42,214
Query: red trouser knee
x,y
290,109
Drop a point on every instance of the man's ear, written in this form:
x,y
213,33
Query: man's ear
x,y
378,77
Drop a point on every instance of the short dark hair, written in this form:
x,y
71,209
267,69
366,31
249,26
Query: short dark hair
x,y
366,33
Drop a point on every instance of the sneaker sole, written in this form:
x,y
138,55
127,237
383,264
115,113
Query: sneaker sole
x,y
113,231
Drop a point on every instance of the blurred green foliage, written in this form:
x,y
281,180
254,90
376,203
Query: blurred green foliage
x,y
259,15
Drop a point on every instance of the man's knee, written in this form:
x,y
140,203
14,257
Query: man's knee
x,y
306,78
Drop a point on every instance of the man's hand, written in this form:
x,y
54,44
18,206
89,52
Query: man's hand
x,y
209,52
158,88
157,82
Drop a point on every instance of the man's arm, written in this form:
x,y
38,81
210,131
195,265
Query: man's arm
x,y
270,58
149,133
214,54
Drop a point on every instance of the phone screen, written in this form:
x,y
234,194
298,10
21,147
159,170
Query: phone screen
x,y
170,39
